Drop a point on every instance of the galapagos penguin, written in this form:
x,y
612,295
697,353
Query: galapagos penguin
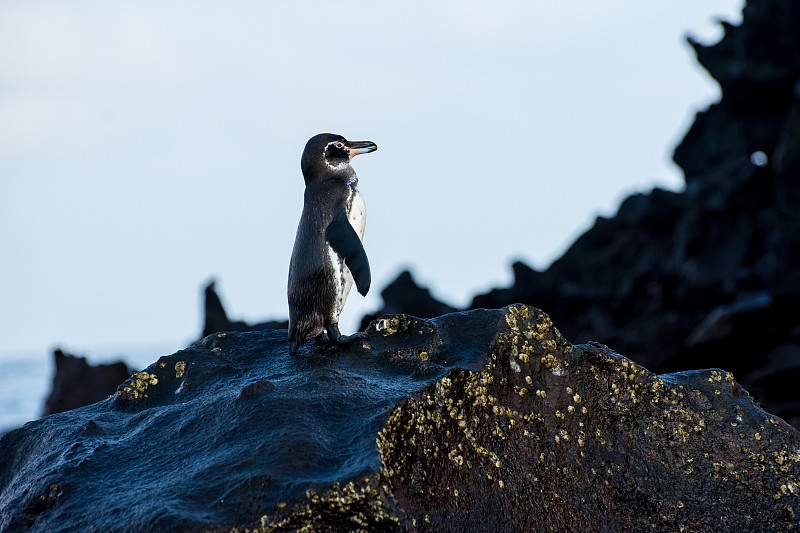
x,y
328,255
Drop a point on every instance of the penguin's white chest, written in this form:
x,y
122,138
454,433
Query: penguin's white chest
x,y
357,213
343,279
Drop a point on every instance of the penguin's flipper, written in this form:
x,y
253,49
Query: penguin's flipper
x,y
344,240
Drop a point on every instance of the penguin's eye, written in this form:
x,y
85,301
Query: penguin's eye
x,y
339,145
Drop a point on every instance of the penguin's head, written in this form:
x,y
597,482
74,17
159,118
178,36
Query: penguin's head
x,y
329,155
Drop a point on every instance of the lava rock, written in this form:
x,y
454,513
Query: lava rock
x,y
77,383
546,436
487,420
653,279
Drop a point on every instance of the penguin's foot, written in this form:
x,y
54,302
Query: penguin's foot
x,y
358,336
342,340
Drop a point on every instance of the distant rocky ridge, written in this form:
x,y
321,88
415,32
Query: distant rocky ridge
x,y
215,318
487,420
77,383
710,276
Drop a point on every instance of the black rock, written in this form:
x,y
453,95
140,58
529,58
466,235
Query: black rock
x,y
652,280
405,296
485,421
77,383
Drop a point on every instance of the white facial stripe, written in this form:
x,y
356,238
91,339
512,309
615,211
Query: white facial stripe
x,y
340,166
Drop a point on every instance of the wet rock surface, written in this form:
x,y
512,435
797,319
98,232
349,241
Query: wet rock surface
x,y
479,421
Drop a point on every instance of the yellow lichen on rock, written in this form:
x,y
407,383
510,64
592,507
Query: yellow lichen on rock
x,y
137,384
388,326
180,368
511,318
362,506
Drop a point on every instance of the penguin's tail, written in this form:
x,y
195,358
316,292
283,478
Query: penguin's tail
x,y
293,347
303,329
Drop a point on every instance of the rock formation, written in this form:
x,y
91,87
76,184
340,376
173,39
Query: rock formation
x,y
405,296
77,383
487,420
215,319
709,276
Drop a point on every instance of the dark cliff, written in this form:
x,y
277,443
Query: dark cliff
x,y
709,276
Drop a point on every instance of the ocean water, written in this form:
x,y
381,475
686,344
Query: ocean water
x,y
26,377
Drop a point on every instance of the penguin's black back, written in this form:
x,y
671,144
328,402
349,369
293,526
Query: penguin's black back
x,y
311,289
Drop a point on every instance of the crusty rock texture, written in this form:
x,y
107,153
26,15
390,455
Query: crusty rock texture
x,y
487,420
546,436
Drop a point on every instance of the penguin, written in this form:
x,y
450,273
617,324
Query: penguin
x,y
328,256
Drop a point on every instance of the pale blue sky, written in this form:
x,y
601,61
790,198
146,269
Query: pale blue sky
x,y
147,146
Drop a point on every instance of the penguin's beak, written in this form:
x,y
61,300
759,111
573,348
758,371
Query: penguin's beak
x,y
360,147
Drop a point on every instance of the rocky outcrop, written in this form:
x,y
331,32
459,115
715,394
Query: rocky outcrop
x,y
215,319
712,272
77,383
405,296
487,420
